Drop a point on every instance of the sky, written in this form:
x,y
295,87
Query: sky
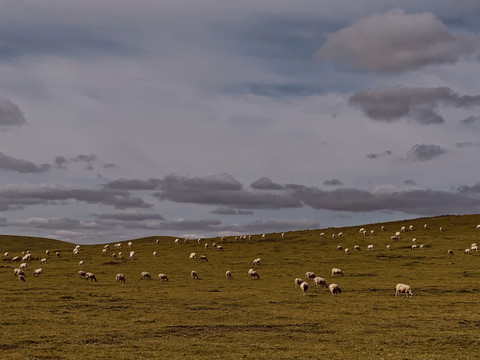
x,y
121,119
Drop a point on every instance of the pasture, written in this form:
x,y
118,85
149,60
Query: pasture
x,y
60,316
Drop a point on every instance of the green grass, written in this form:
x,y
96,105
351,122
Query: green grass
x,y
59,316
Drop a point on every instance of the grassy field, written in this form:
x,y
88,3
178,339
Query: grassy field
x,y
60,316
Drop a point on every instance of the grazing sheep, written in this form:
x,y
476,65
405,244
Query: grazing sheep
x,y
335,289
104,251
467,251
383,228
21,278
43,261
16,258
129,244
257,262
47,252
145,276
370,247
388,247
334,236
356,247
253,274
82,274
478,227
362,230
228,274
57,254
119,254
120,278
118,246
17,272
206,245
339,247
410,228
27,257
450,252
304,287
394,238
397,234
131,255
421,246
340,234
322,234
441,229
157,241
193,256
402,288
162,277
474,247
5,255
114,256
220,247
283,235
372,232
309,275
203,258
194,275
425,226
298,281
90,276
264,236
347,251
337,272
38,272
320,281
214,245
154,254
23,266
414,240
177,241
80,263
106,246
414,247
403,229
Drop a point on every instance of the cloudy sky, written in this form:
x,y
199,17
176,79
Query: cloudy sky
x,y
129,118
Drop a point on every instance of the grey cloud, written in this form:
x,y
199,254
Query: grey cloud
x,y
133,184
85,158
52,223
10,163
410,182
469,190
470,120
425,152
109,166
10,114
265,183
396,41
376,156
419,104
333,182
467,144
18,196
130,216
60,162
225,210
271,226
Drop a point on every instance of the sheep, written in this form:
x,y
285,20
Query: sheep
x,y
298,281
322,234
309,275
467,251
410,228
27,257
214,245
337,272
356,247
334,236
450,252
372,232
120,278
402,288
80,263
397,234
253,274
193,256
104,251
257,262
177,241
119,254
154,254
370,247
362,230
43,261
157,241
131,255
90,276
220,247
339,247
283,235
228,274
145,275
38,272
206,245
5,255
421,246
304,287
162,277
107,246
17,272
388,247
474,247
21,278
118,246
347,251
47,252
320,281
340,234
478,227
57,254
441,229
16,258
414,247
383,228
114,256
23,266
264,236
335,289
394,238
82,274
129,244
425,226
403,229
414,240
194,275
203,258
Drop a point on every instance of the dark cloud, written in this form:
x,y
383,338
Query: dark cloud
x,y
18,196
376,156
389,104
109,166
133,184
265,183
333,182
10,114
467,144
410,182
60,162
10,163
276,90
425,152
395,42
471,120
51,223
220,190
225,210
85,158
469,190
130,216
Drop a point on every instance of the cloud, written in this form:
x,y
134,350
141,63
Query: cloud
x,y
410,182
424,152
133,184
471,120
265,183
85,158
10,114
130,216
60,162
469,190
390,104
395,42
333,182
225,210
376,156
51,223
10,163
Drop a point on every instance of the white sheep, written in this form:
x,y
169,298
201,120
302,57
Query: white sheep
x,y
80,263
157,241
402,288
298,281
145,276
322,234
356,247
155,254
27,257
450,252
23,266
57,254
82,274
370,247
120,278
220,247
414,247
337,272
17,272
283,235
340,234
421,246
21,278
478,227
335,289
309,275
304,287
383,228
253,274
347,251
129,244
403,229
257,262
16,258
414,240
47,252
206,245
411,228
372,232
397,234
90,276
339,247
425,226
131,255
320,281
441,229
193,256
362,230
467,251
114,256
194,275
203,258
334,236
162,277
104,251
5,255
43,261
394,238
118,246
388,247
38,272
264,236
228,274
177,241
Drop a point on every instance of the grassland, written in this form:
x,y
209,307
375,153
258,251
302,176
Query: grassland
x,y
59,316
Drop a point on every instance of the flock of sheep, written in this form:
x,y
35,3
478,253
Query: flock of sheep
x,y
334,288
